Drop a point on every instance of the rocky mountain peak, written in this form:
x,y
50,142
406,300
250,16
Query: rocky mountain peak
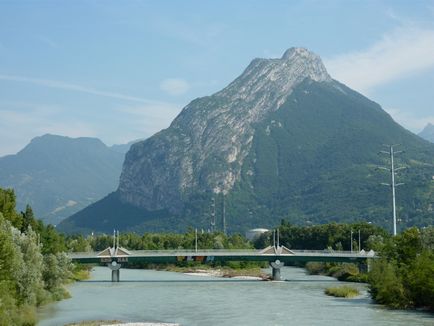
x,y
310,64
428,132
206,145
277,77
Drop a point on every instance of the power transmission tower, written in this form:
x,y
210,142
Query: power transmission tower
x,y
393,185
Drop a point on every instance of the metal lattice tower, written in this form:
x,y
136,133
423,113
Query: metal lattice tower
x,y
393,184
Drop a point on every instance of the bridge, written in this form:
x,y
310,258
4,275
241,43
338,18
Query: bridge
x,y
276,255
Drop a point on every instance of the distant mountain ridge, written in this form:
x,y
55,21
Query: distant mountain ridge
x,y
428,133
283,140
124,148
58,175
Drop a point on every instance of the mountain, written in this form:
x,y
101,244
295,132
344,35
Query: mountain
x,y
283,140
59,175
428,133
123,148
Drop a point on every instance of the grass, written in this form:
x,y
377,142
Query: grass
x,y
344,291
81,272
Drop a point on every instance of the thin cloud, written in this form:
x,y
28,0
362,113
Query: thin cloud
x,y
403,52
72,87
175,86
149,119
23,122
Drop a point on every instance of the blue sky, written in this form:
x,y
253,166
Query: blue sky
x,y
122,70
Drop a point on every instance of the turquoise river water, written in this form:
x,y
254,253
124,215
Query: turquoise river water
x,y
155,296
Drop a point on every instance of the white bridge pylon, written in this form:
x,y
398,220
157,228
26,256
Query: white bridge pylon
x,y
113,256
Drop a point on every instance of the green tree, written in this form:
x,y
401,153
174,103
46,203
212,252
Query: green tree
x,y
420,280
29,276
57,270
10,263
7,207
386,285
52,241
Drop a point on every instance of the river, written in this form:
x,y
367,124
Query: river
x,y
147,295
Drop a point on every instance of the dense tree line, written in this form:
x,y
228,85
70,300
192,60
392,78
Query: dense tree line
x,y
33,267
159,241
404,276
325,236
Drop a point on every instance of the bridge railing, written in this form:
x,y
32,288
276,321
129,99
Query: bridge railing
x,y
216,252
189,251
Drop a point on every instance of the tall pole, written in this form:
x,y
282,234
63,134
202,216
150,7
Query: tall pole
x,y
393,189
224,215
393,184
360,247
351,241
278,240
212,222
195,240
117,240
114,239
274,238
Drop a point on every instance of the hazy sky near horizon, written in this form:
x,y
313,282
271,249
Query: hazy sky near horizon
x,y
123,70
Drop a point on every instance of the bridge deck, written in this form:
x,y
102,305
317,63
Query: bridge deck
x,y
172,256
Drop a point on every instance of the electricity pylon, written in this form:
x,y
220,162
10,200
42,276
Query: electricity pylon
x,y
393,185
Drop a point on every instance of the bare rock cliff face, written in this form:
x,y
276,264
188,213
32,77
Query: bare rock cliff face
x,y
204,148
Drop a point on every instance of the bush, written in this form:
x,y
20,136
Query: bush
x,y
342,291
403,277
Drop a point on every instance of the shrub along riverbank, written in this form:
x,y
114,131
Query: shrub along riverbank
x,y
346,272
33,266
404,275
344,291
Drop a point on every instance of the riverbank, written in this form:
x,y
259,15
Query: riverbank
x,y
80,273
247,272
345,272
116,323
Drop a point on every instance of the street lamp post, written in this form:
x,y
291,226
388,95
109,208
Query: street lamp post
x,y
360,246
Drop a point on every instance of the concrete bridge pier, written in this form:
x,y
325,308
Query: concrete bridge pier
x,y
115,268
276,266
